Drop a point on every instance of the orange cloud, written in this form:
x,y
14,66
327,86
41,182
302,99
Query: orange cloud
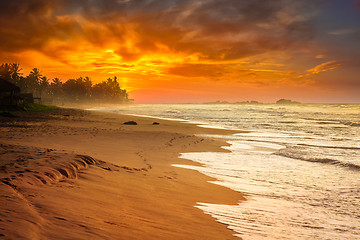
x,y
155,43
325,67
137,28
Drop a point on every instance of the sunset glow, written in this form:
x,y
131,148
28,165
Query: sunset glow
x,y
192,51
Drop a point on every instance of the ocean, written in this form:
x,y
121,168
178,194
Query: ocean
x,y
299,166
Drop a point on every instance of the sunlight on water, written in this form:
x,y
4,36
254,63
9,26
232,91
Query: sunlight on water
x,y
300,167
287,199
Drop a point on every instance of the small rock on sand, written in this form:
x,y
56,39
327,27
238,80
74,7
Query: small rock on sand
x,y
156,123
130,123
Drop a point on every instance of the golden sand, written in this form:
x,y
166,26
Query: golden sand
x,y
73,174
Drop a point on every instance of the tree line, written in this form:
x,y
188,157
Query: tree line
x,y
74,90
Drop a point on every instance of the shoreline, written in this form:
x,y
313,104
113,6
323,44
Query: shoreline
x,y
130,190
198,124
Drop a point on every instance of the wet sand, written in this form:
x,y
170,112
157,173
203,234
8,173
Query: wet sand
x,y
74,174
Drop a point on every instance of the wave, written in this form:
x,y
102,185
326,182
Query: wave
x,y
329,161
334,121
172,111
325,146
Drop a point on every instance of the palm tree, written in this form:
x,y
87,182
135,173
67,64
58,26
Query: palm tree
x,y
43,84
56,82
56,89
11,72
36,75
33,81
15,72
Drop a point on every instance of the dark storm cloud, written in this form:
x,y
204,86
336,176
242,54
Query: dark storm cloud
x,y
217,30
227,29
30,24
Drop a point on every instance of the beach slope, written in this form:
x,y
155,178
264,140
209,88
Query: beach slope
x,y
74,174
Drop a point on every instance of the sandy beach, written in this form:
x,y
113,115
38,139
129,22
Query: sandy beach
x,y
74,174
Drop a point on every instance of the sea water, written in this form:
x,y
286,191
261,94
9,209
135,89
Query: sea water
x,y
299,166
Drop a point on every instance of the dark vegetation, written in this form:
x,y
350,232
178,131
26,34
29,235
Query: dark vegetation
x,y
25,107
55,91
35,107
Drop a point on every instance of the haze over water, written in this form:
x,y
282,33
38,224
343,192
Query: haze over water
x,y
299,166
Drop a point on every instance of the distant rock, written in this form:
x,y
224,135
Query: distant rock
x,y
218,102
130,123
286,101
156,123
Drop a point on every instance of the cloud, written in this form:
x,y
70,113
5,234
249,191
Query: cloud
x,y
198,70
31,24
222,30
343,31
214,30
331,65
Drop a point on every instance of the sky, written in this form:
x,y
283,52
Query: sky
x,y
192,51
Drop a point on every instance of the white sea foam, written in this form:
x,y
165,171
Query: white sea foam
x,y
299,166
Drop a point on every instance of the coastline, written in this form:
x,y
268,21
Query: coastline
x,y
80,174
